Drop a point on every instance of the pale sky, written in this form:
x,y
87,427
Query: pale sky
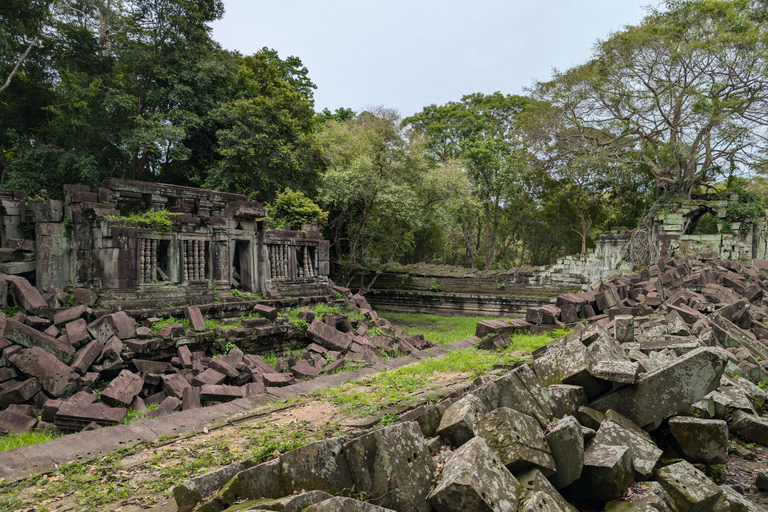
x,y
407,54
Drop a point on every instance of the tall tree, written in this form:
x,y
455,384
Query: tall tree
x,y
680,96
483,131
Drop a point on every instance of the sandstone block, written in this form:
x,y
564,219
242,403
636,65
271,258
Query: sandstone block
x,y
606,474
754,428
266,311
393,462
703,441
122,389
516,439
457,426
667,389
318,466
566,442
328,336
474,479
690,489
26,336
644,453
54,376
195,317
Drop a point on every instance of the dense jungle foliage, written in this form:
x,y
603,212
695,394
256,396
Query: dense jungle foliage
x,y
138,89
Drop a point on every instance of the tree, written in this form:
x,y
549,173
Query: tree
x,y
680,96
265,137
378,187
483,132
296,209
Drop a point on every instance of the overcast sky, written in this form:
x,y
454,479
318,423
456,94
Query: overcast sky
x,y
407,54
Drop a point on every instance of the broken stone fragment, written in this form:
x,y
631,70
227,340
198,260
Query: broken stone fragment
x,y
392,462
752,427
11,421
703,441
644,452
516,439
689,488
539,491
122,389
457,426
566,399
474,479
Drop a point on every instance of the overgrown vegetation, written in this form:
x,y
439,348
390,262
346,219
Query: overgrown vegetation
x,y
158,221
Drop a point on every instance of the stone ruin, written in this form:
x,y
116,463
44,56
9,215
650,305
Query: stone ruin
x,y
216,241
629,413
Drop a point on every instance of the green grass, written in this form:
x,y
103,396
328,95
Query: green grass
x,y
12,440
435,328
370,394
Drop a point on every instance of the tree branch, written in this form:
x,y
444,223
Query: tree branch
x,y
18,64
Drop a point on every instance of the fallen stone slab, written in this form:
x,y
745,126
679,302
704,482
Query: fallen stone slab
x,y
11,421
624,327
516,439
392,462
623,372
457,425
689,488
122,389
209,377
278,379
19,392
328,336
752,427
222,366
74,416
303,370
668,389
27,295
474,479
220,393
267,312
319,466
147,366
703,441
28,337
167,406
86,356
69,315
174,385
486,327
54,376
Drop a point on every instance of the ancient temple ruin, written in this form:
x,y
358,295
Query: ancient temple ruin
x,y
199,246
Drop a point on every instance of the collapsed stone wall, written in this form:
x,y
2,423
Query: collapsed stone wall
x,y
211,242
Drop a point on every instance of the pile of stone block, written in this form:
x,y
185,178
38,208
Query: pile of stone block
x,y
74,368
629,411
510,443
